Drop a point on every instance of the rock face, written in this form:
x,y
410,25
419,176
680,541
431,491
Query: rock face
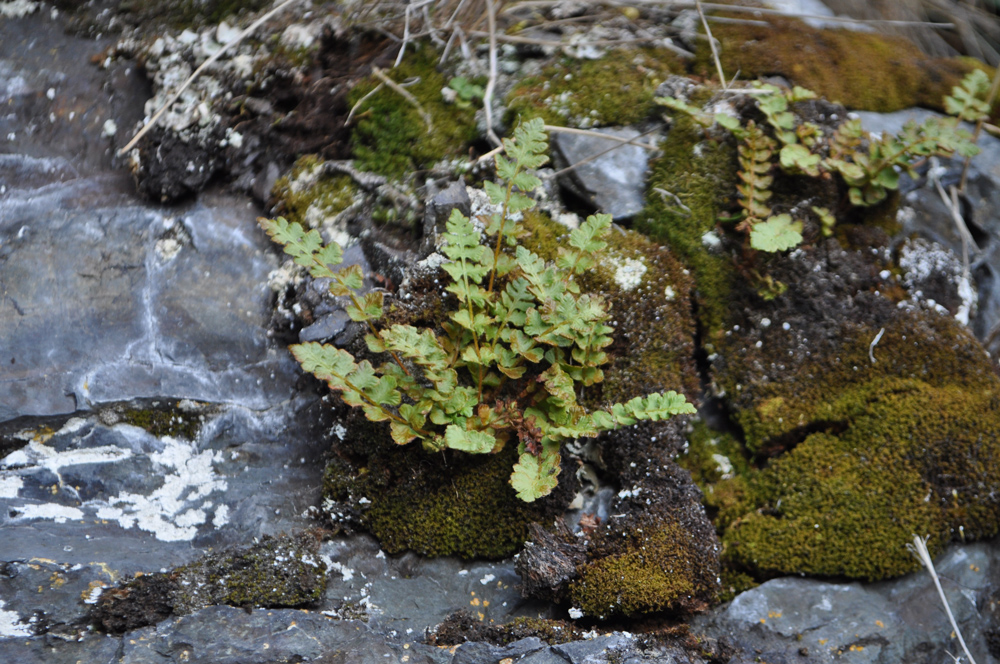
x,y
107,301
614,182
899,621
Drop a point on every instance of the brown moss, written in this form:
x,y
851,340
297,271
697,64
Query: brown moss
x,y
862,70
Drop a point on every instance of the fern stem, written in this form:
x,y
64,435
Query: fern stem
x,y
503,220
389,413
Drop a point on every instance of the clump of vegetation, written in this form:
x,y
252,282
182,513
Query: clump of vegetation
x,y
801,148
861,70
394,136
276,572
617,89
509,361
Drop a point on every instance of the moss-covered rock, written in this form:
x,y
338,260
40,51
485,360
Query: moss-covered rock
x,y
862,70
392,136
617,89
278,572
658,553
869,419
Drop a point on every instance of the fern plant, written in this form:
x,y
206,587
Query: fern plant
x,y
506,365
804,150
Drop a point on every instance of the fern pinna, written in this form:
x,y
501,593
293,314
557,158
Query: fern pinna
x,y
508,361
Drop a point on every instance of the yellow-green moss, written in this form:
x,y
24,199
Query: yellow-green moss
x,y
928,348
655,572
307,197
617,89
914,459
861,70
391,136
702,174
653,345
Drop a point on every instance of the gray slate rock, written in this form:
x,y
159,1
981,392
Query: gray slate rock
x,y
105,300
893,621
95,503
615,182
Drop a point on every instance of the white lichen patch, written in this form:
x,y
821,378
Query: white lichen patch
x,y
167,249
10,623
18,9
10,486
922,262
723,465
37,455
50,512
175,510
627,272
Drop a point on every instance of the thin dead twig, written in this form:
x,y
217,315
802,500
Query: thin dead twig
x,y
197,72
599,154
597,134
715,50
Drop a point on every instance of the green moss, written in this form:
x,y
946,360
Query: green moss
x,y
861,70
459,505
914,459
932,349
391,136
877,452
617,89
163,421
654,572
308,197
702,175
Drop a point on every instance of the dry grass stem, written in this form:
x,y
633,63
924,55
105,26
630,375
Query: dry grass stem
x,y
396,87
597,134
712,44
919,549
197,72
492,82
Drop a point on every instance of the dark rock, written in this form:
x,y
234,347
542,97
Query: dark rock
x,y
438,209
171,167
893,621
548,562
226,635
108,301
613,182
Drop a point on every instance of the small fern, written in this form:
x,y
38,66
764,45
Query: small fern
x,y
508,361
